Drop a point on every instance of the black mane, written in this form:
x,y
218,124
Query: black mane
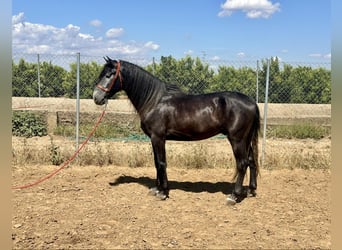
x,y
143,88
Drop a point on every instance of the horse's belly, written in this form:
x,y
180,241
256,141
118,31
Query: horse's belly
x,y
191,134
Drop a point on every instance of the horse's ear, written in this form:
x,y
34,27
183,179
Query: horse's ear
x,y
107,59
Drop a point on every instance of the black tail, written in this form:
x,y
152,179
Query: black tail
x,y
255,137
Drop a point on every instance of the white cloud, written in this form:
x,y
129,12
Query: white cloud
x,y
151,45
241,54
274,58
188,52
18,18
38,49
327,55
127,49
41,38
319,55
252,8
95,23
315,55
114,32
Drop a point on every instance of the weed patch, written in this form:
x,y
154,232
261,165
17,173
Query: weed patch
x,y
55,155
28,124
298,131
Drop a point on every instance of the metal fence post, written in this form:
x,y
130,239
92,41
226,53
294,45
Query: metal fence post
x,y
38,72
154,66
257,83
77,99
265,113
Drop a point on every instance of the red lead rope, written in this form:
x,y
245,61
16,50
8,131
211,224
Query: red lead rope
x,y
66,162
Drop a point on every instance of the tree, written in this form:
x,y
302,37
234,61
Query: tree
x,y
51,80
24,79
275,80
190,74
166,70
287,84
310,85
235,79
88,74
194,76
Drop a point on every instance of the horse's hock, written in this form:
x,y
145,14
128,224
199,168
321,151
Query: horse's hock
x,y
63,111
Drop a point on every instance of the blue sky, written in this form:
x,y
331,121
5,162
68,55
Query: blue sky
x,y
293,30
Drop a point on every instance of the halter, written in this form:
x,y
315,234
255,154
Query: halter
x,y
117,74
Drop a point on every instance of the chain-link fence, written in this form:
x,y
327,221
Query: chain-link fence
x,y
37,75
298,93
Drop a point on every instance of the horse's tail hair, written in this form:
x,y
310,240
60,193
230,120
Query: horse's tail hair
x,y
255,137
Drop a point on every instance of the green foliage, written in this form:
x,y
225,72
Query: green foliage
x,y
28,124
55,155
88,74
24,79
287,84
241,80
300,84
51,79
298,131
190,74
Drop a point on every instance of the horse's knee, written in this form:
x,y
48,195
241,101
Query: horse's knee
x,y
242,166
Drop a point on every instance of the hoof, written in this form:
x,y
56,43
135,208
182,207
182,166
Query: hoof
x,y
159,194
162,196
251,193
153,191
231,200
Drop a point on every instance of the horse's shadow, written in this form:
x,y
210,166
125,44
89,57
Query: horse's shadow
x,y
194,187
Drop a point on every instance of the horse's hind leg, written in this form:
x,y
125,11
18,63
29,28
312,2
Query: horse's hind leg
x,y
240,153
253,174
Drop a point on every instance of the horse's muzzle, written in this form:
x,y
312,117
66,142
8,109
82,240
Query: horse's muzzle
x,y
99,97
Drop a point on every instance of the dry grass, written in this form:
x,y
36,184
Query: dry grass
x,y
305,154
280,153
214,153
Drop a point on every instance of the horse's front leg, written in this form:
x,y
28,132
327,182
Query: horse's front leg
x,y
162,185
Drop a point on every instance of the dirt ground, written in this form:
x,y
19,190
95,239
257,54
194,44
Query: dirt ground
x,y
93,207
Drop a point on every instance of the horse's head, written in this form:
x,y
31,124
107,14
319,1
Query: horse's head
x,y
108,83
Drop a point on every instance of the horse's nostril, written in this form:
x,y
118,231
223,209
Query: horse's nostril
x,y
100,102
98,98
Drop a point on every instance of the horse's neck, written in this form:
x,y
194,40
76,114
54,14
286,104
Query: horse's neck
x,y
143,90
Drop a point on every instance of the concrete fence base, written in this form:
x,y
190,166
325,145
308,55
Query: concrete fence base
x,y
59,111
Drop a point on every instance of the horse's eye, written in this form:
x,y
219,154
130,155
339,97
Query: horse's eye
x,y
110,73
